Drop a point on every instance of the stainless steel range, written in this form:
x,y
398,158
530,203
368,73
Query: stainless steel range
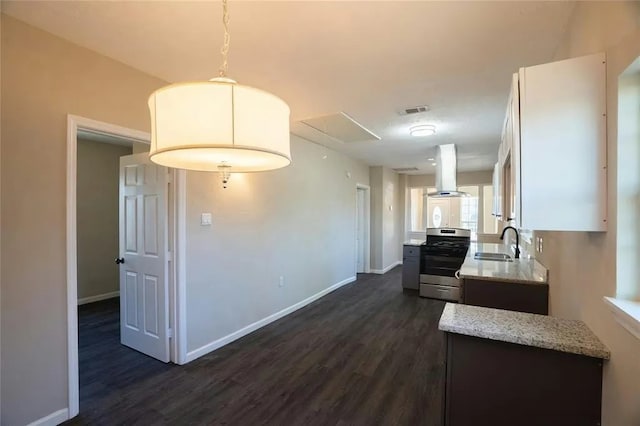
x,y
440,258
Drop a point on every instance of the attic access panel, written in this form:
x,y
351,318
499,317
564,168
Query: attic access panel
x,y
341,127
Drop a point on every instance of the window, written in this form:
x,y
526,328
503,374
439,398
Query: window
x,y
625,306
469,209
415,201
473,212
418,214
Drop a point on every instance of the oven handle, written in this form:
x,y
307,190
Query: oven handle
x,y
457,274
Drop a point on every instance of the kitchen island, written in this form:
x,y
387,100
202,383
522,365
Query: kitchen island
x,y
515,368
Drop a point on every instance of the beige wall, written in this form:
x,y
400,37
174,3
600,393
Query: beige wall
x,y
297,223
375,179
0,215
582,266
97,216
139,147
392,212
387,217
44,78
401,211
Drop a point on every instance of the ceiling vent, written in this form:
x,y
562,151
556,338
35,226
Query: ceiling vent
x,y
405,169
414,110
340,127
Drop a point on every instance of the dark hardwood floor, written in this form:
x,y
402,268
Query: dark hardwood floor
x,y
366,354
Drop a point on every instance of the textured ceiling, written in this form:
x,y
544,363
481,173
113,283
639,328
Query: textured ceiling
x,y
368,59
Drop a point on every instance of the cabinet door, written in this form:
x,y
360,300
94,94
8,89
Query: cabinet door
x,y
514,112
494,184
411,272
497,190
531,298
411,267
496,383
563,145
507,190
505,168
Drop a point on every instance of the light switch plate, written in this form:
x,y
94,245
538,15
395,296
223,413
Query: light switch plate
x,y
205,219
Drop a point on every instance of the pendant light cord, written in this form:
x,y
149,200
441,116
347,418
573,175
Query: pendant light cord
x,y
227,39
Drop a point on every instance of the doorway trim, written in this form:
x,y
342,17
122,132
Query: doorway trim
x,y
367,227
176,280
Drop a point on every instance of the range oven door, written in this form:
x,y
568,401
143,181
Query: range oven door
x,y
440,261
438,267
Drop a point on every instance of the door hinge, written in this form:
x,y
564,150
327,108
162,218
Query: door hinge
x,y
169,178
170,333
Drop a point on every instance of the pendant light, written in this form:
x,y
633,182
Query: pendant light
x,y
219,125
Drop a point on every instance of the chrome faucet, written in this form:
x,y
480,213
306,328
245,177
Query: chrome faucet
x,y
517,239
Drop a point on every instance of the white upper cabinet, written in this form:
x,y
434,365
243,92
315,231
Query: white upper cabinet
x,y
558,155
513,111
508,159
497,190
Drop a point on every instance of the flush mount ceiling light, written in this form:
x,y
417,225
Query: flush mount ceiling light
x,y
219,125
422,130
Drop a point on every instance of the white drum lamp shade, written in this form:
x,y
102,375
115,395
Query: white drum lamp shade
x,y
205,125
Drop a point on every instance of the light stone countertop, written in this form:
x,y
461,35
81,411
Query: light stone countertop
x,y
541,331
527,271
414,242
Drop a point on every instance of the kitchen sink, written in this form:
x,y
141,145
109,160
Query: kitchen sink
x,y
498,257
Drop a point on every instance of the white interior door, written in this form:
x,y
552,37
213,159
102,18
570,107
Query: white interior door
x,y
360,231
144,301
438,212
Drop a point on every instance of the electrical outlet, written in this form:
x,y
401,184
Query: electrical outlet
x,y
281,283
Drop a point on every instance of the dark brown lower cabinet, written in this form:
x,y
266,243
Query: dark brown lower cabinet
x,y
496,383
411,267
521,297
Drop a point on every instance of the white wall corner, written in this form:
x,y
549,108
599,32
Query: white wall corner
x,y
52,419
626,313
387,269
216,344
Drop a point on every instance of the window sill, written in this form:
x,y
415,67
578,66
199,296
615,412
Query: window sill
x,y
627,313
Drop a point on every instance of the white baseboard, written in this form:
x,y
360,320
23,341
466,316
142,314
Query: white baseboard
x,y
98,298
52,419
387,269
216,344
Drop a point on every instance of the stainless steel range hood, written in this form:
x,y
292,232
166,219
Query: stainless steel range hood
x,y
446,185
